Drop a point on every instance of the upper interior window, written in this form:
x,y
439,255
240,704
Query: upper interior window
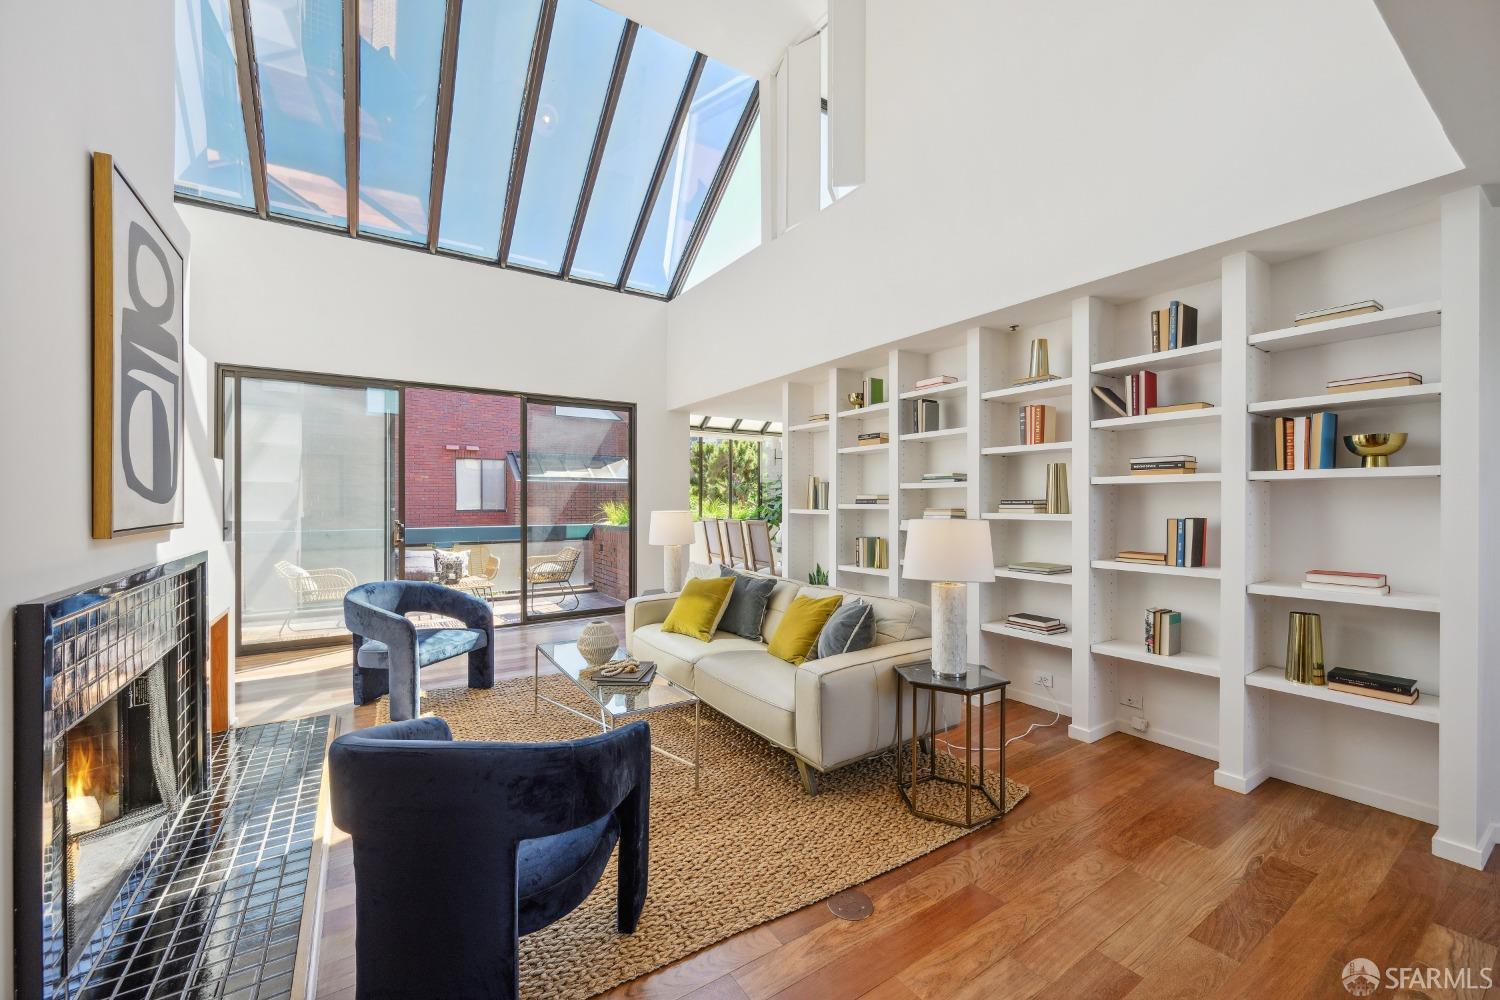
x,y
212,160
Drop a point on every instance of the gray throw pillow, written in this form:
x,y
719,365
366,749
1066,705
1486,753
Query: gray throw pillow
x,y
746,611
852,627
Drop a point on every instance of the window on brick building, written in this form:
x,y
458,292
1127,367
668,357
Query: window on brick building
x,y
479,483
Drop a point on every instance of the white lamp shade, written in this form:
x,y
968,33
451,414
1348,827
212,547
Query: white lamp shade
x,y
950,551
671,527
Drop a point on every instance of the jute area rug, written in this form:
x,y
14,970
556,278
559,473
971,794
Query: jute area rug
x,y
749,846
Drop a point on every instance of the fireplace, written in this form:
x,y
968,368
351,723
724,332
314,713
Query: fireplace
x,y
110,743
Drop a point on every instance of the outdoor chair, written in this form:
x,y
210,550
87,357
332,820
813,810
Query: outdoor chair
x,y
758,546
735,543
314,590
713,540
554,569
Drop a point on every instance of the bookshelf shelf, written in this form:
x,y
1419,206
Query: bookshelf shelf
x,y
1196,572
1152,419
1426,708
1025,393
1027,449
1359,472
1182,479
809,510
860,412
1422,316
1190,663
1021,515
1405,395
945,485
811,427
1395,600
958,386
946,432
864,506
1164,361
1063,640
866,570
865,449
1059,579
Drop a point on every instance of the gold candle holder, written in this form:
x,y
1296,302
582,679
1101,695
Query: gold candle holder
x,y
1057,488
1304,649
1038,368
1375,450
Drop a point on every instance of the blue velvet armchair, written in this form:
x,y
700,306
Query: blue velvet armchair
x,y
389,650
462,847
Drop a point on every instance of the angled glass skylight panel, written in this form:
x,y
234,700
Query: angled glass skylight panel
x,y
735,228
212,160
299,50
494,53
653,85
580,61
717,106
400,46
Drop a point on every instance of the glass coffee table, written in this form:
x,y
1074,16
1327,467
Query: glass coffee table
x,y
616,701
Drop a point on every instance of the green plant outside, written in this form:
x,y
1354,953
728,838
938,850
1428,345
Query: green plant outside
x,y
614,512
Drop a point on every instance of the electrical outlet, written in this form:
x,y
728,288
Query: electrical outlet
x,y
1134,701
1139,723
1044,679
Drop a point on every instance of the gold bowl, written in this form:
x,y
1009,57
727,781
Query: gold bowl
x,y
1374,450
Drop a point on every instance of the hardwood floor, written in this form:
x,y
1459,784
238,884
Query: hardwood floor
x,y
1125,873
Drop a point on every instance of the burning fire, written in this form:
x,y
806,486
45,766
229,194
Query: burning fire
x,y
84,813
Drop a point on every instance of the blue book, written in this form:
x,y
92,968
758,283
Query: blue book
x,y
1182,541
1329,443
1172,312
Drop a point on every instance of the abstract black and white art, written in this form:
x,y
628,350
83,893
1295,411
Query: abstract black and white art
x,y
138,363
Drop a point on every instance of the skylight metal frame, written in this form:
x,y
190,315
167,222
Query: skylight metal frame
x,y
351,114
248,74
442,125
727,163
522,148
601,138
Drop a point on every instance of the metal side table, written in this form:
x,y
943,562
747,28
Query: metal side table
x,y
977,682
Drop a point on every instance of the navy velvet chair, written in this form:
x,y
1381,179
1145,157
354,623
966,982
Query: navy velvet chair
x,y
389,650
462,847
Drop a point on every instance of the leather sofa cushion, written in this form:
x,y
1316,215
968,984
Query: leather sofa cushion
x,y
433,644
675,654
896,619
753,688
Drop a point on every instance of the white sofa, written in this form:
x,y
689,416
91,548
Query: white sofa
x,y
825,713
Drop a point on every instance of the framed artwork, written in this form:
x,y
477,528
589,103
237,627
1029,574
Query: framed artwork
x,y
139,341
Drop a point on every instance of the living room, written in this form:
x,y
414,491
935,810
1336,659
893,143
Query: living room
x,y
834,498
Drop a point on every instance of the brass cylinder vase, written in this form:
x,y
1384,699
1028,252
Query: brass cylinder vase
x,y
1057,488
1304,649
1038,369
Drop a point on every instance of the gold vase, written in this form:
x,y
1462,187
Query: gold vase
x,y
1038,368
1304,649
1057,488
1375,450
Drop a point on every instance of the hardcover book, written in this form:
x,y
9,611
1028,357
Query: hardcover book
x,y
1111,399
1336,312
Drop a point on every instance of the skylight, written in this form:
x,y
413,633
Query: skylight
x,y
554,136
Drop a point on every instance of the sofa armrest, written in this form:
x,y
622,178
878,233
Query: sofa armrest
x,y
651,610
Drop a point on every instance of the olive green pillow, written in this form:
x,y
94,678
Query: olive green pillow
x,y
797,635
697,610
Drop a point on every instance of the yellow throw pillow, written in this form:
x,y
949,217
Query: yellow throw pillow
x,y
697,610
797,635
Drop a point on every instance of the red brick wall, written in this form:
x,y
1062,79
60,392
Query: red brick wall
x,y
612,561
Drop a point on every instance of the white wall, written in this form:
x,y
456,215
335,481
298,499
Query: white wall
x,y
111,92
1016,149
282,296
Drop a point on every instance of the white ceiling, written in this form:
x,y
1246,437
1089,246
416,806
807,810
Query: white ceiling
x,y
750,35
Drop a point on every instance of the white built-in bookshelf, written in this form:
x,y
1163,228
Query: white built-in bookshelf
x,y
1224,696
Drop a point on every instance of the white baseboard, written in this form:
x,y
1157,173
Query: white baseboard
x,y
1176,741
1037,701
1402,806
1473,856
1242,783
1095,734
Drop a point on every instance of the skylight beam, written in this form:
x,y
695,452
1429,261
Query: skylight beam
x,y
351,114
601,136
525,126
249,80
443,126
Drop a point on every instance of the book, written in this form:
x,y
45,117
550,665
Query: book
x,y
1142,387
1179,407
1027,618
874,389
1111,399
1336,312
1348,577
1382,377
817,418
925,416
1366,385
945,477
628,672
1038,423
1185,541
1404,699
1345,588
1138,556
945,513
1370,680
934,380
1019,504
1155,330
870,552
1182,325
1040,568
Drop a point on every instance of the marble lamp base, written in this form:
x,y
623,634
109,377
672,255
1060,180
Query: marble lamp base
x,y
672,567
950,629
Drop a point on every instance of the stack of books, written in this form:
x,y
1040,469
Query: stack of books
x,y
1142,557
1035,379
1373,685
1164,465
933,381
1173,327
817,418
1386,380
873,437
817,493
870,552
1038,423
626,673
944,514
1187,539
945,477
1336,312
1141,391
1346,581
874,390
1306,442
1111,399
924,417
1040,568
1032,506
1163,631
1045,624
1179,407
869,499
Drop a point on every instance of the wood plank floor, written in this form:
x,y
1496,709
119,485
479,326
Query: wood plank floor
x,y
1125,873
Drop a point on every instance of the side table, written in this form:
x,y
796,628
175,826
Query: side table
x,y
975,684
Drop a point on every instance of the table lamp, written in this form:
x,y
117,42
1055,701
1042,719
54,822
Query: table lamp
x,y
671,529
952,554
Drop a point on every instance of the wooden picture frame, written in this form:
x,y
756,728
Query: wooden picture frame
x,y
139,355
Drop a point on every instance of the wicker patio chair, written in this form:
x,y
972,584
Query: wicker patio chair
x,y
553,568
314,590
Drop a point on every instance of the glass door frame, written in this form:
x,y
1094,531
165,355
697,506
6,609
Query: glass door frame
x,y
226,374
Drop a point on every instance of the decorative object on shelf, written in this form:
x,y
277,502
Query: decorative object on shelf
x,y
1347,581
1306,442
874,391
1111,399
1163,631
597,642
871,499
1043,624
1375,450
933,381
870,552
856,400
945,477
1021,506
869,438
1363,383
139,347
673,531
1173,327
1304,648
1057,489
1336,312
1040,568
1038,370
1038,423
1164,465
817,418
925,415
1141,556
1369,684
1141,389
1187,541
817,493
818,577
951,554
